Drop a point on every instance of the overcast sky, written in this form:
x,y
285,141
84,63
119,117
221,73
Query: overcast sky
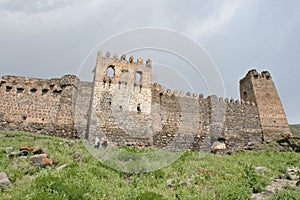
x,y
49,38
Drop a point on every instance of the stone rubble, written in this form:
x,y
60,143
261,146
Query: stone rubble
x,y
290,178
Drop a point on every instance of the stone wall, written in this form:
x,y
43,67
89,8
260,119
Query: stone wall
x,y
124,105
260,89
37,105
185,121
242,125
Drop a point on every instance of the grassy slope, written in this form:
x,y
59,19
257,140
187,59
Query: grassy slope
x,y
295,129
213,176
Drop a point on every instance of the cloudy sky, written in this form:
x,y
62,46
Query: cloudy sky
x,y
49,38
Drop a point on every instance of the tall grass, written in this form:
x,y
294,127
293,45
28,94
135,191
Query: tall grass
x,y
194,175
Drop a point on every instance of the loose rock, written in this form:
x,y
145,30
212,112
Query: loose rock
x,y
218,146
18,154
26,148
38,150
4,181
41,160
9,135
170,182
8,149
62,166
23,157
261,168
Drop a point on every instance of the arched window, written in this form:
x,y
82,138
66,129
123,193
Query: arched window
x,y
138,77
110,72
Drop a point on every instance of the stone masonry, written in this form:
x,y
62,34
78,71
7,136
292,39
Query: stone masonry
x,y
37,105
123,104
260,88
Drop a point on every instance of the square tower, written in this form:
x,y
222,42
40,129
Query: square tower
x,y
260,89
121,99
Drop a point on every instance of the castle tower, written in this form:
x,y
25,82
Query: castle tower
x,y
121,99
259,88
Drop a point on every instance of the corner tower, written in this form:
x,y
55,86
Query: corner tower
x,y
259,88
121,99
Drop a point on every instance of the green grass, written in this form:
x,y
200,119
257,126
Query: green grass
x,y
208,176
295,129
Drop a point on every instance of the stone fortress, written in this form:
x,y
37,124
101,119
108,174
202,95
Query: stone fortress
x,y
123,104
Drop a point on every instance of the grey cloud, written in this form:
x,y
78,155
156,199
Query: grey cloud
x,y
35,6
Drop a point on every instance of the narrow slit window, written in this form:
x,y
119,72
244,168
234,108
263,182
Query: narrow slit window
x,y
138,108
109,83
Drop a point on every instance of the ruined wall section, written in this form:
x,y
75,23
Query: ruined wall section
x,y
260,89
179,120
37,105
185,121
122,100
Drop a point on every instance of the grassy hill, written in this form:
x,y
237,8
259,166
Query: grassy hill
x,y
295,129
194,175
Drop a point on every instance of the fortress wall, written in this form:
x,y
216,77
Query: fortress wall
x,y
125,106
37,105
242,125
180,121
185,121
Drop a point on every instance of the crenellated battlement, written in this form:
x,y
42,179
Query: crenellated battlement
x,y
122,59
163,92
254,74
